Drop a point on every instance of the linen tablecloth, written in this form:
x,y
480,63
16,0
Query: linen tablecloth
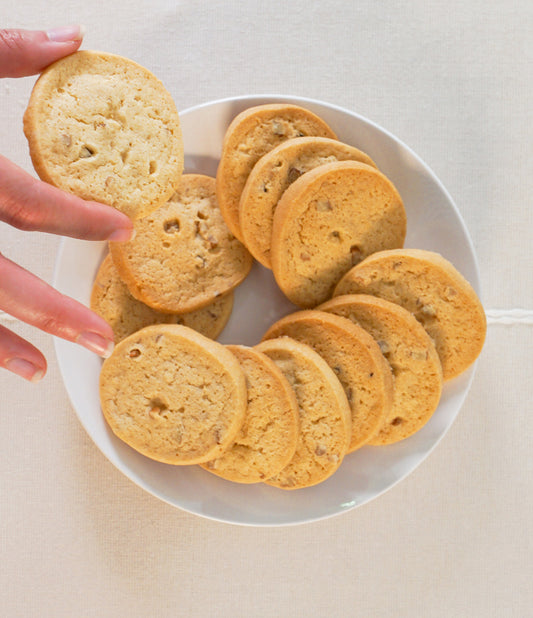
x,y
453,81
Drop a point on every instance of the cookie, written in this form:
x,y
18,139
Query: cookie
x,y
433,290
411,354
325,420
110,298
183,256
173,394
328,220
106,129
273,174
355,358
267,440
250,135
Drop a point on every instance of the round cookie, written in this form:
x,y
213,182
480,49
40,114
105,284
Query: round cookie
x,y
273,174
173,394
111,299
412,356
325,420
355,358
250,135
183,256
106,129
433,290
328,220
267,440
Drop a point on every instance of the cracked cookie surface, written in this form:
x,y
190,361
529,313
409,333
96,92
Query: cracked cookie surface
x,y
183,256
325,420
173,394
273,174
414,361
267,439
111,299
104,128
250,135
433,290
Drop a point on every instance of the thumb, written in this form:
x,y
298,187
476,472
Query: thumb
x,y
26,52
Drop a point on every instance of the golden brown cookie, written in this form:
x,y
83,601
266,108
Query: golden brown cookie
x,y
433,290
328,220
106,129
357,361
111,299
183,256
273,174
250,135
267,440
173,394
412,357
325,420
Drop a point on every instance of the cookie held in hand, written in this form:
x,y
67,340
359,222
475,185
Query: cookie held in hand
x,y
105,128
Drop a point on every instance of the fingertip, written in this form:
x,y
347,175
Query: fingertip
x,y
25,369
102,222
27,52
66,34
38,375
96,343
123,228
53,51
123,234
21,357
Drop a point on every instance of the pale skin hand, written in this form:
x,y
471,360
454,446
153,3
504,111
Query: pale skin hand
x,y
31,205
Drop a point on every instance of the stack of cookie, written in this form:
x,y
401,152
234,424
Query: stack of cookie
x,y
305,204
379,330
106,129
273,413
393,324
363,363
181,266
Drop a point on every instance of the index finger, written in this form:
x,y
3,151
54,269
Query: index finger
x,y
33,301
30,204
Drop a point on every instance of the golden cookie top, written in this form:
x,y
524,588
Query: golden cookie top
x,y
105,128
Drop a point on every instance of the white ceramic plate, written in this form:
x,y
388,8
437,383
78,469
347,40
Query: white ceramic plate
x,y
433,223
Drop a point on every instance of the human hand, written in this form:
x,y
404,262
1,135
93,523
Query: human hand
x,y
31,205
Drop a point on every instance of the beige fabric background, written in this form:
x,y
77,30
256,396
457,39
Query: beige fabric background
x,y
452,80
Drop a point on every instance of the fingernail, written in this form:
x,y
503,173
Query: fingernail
x,y
123,234
96,343
24,369
65,34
